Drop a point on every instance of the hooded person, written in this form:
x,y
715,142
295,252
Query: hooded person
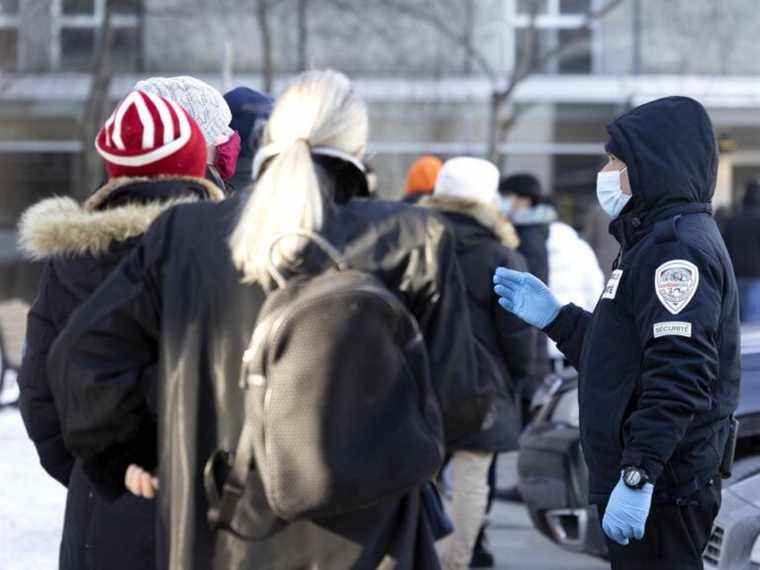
x,y
742,234
522,201
192,293
250,112
466,197
206,105
420,180
660,353
155,157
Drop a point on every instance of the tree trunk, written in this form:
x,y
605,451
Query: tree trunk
x,y
495,105
96,109
262,15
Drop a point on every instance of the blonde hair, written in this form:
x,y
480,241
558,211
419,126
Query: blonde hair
x,y
320,109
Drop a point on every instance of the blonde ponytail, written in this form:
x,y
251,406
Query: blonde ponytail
x,y
319,109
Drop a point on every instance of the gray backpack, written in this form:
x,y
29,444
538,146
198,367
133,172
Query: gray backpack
x,y
340,409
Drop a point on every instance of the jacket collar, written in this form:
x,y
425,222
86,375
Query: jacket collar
x,y
60,226
631,227
487,216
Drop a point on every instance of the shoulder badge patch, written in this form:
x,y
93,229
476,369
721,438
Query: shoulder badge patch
x,y
675,283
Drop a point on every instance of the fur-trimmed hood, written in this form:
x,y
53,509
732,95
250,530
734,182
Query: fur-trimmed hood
x,y
60,226
488,216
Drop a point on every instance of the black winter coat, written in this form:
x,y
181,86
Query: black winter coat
x,y
80,246
485,240
659,357
742,235
179,295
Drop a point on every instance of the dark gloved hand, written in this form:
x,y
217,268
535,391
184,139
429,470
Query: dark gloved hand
x,y
627,512
526,296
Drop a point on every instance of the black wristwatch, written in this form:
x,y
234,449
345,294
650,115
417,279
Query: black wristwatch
x,y
635,477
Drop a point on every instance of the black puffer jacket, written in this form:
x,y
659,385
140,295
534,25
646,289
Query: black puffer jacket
x,y
742,234
179,294
659,358
80,246
485,240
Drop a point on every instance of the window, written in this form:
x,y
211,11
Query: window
x,y
8,34
528,7
575,6
77,23
557,24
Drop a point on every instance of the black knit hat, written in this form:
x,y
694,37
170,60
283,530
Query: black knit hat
x,y
522,184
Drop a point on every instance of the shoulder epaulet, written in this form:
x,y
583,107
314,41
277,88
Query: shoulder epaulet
x,y
666,230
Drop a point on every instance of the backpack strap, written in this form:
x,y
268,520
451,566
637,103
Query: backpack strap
x,y
336,257
234,485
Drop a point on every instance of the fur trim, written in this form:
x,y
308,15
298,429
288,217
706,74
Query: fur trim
x,y
488,216
100,196
60,226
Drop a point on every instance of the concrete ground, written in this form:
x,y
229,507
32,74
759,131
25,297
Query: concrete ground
x,y
515,542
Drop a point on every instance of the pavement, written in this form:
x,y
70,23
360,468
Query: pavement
x,y
516,545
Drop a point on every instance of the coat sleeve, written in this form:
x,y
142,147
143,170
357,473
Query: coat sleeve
x,y
516,337
36,400
106,358
440,307
680,351
568,330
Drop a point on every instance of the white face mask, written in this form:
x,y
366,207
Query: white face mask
x,y
505,205
609,192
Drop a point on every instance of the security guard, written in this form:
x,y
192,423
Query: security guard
x,y
659,357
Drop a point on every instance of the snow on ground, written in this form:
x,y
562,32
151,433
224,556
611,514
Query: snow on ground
x,y
31,502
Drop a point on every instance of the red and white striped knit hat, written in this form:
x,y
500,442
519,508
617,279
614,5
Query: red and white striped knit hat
x,y
148,135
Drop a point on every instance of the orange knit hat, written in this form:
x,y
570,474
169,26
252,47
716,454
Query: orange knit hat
x,y
422,175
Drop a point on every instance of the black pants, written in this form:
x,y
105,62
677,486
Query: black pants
x,y
675,535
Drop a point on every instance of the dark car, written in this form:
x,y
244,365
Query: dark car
x,y
552,472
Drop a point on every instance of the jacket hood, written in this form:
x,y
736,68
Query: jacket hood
x,y
60,226
670,149
487,216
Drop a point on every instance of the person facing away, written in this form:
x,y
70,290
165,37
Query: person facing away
x,y
523,202
466,196
250,112
742,235
208,107
155,156
660,353
420,180
192,291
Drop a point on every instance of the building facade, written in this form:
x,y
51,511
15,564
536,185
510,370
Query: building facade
x,y
426,67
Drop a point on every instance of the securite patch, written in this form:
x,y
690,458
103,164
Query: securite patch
x,y
675,283
672,328
610,290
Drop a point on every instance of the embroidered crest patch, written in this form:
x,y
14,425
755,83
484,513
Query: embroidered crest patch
x,y
675,283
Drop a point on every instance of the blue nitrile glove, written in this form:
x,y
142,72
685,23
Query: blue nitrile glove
x,y
627,512
526,296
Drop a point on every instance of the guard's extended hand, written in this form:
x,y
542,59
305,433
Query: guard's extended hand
x,y
526,296
627,512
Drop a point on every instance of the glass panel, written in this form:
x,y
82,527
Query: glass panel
x,y
542,40
126,49
76,7
575,6
577,58
127,7
8,48
9,7
525,7
77,47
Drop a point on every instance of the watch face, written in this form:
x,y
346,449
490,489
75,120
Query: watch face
x,y
633,478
